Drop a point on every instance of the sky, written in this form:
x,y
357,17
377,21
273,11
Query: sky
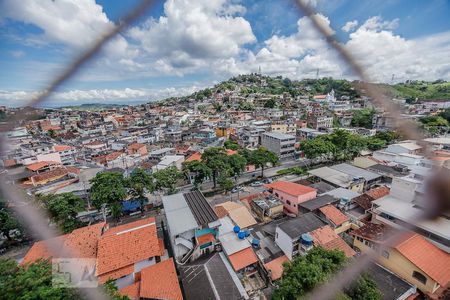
x,y
180,46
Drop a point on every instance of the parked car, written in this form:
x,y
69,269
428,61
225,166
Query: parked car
x,y
267,180
256,183
237,189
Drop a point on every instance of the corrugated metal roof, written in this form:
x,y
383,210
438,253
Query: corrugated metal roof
x,y
179,216
202,211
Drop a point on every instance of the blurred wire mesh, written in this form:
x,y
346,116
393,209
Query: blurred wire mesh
x,y
35,219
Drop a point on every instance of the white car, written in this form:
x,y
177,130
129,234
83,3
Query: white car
x,y
256,183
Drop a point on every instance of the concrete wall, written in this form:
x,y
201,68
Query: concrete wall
x,y
284,242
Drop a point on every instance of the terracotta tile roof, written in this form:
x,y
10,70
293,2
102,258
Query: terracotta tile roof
x,y
371,231
206,238
242,259
82,242
220,211
329,240
237,212
54,174
160,281
231,152
333,214
40,250
41,164
195,156
364,201
378,192
290,188
426,256
132,291
62,148
162,248
136,146
276,267
127,244
116,273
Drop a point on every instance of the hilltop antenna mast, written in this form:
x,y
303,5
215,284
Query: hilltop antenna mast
x,y
317,73
392,79
259,70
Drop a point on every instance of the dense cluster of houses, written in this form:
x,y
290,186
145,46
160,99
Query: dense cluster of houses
x,y
236,249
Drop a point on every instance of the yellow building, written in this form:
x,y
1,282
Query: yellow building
x,y
413,258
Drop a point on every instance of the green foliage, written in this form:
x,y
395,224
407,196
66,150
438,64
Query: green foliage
x,y
63,209
292,171
9,224
340,145
232,145
236,164
271,103
200,169
215,159
363,118
446,114
113,292
434,121
387,136
421,90
374,143
261,157
364,289
167,179
305,272
32,282
138,183
108,188
51,133
244,105
206,93
317,147
225,182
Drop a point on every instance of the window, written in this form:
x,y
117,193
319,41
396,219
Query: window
x,y
385,254
288,202
420,277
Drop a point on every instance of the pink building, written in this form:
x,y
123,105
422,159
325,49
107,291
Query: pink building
x,y
291,194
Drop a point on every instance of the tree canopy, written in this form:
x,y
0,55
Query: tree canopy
x,y
109,188
261,157
363,118
9,226
138,183
63,209
166,179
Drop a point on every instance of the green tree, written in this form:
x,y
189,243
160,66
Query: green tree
x,y
232,145
63,209
51,133
317,147
167,179
446,114
9,224
271,103
113,292
387,136
225,182
364,289
200,170
363,118
374,143
32,282
138,184
236,164
108,188
215,159
261,157
305,272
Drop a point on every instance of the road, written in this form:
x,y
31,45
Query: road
x,y
248,176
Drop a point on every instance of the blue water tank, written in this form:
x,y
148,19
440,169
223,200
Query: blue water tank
x,y
236,229
255,243
306,239
241,235
247,233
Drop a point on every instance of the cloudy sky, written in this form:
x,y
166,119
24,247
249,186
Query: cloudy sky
x,y
180,46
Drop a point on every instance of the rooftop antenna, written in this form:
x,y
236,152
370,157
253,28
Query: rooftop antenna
x,y
392,79
259,70
317,73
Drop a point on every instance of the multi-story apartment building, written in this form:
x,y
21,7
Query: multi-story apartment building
x,y
280,143
317,121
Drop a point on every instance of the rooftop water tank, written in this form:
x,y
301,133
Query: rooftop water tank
x,y
255,243
241,235
247,233
236,229
306,239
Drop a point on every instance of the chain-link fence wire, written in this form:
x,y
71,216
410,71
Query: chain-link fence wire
x,y
32,215
437,196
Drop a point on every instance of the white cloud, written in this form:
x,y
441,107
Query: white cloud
x,y
350,25
17,53
72,22
15,98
